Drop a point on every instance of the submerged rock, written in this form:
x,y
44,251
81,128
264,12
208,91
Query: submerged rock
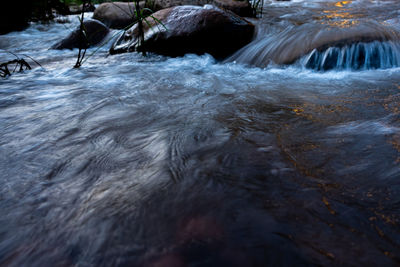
x,y
293,43
117,15
95,31
189,29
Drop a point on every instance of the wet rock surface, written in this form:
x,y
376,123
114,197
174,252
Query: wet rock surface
x,y
289,45
163,4
117,15
76,9
241,8
189,29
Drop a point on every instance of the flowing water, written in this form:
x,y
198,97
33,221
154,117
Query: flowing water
x,y
287,153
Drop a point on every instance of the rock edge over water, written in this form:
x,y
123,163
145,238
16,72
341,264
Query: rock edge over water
x,y
290,45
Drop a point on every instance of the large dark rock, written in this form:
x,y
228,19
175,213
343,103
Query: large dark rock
x,y
239,7
95,33
189,29
117,15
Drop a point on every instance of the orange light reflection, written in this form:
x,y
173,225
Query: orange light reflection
x,y
340,17
342,3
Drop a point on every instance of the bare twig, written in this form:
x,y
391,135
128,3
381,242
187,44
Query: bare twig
x,y
20,62
81,55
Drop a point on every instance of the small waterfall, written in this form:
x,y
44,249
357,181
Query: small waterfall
x,y
356,56
366,45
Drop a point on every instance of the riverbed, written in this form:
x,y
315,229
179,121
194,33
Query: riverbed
x,y
189,161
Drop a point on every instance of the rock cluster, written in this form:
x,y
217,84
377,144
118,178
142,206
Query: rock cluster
x,y
174,30
119,15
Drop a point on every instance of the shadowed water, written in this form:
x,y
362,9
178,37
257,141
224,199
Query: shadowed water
x,y
155,161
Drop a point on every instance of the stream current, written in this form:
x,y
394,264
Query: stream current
x,y
157,161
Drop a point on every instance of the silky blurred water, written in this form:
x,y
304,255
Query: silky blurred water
x,y
157,161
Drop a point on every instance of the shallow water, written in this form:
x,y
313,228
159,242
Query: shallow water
x,y
134,161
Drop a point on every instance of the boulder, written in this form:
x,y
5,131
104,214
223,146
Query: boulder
x,y
95,33
76,9
189,29
163,4
117,15
239,7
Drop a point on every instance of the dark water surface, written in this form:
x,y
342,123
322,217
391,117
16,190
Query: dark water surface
x,y
133,161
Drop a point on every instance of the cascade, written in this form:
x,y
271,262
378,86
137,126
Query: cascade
x,y
367,45
357,56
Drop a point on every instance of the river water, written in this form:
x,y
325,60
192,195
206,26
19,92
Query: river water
x,y
157,161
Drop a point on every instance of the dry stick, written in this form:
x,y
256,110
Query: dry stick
x,y
4,71
33,60
15,55
19,62
138,13
78,63
83,32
